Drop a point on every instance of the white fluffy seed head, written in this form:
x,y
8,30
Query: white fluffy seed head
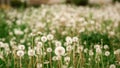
x,y
107,53
85,50
43,38
69,40
49,49
98,50
69,48
20,53
31,52
58,43
59,51
97,46
50,37
91,53
112,66
106,47
21,47
39,44
75,39
54,58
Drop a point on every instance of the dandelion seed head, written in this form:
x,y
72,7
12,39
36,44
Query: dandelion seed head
x,y
20,53
43,39
50,37
49,49
59,51
107,53
112,66
75,39
31,52
21,47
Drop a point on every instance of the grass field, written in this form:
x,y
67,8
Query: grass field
x,y
60,36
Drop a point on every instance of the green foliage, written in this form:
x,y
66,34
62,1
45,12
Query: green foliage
x,y
3,26
95,38
116,0
80,2
2,63
18,3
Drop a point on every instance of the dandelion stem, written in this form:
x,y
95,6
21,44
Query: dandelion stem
x,y
20,63
50,61
78,62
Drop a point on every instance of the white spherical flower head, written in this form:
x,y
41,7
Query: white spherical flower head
x,y
75,39
54,58
107,53
91,53
59,51
21,47
58,43
85,50
112,66
39,44
69,48
31,52
69,40
98,50
43,39
49,49
106,47
20,53
50,37
97,46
